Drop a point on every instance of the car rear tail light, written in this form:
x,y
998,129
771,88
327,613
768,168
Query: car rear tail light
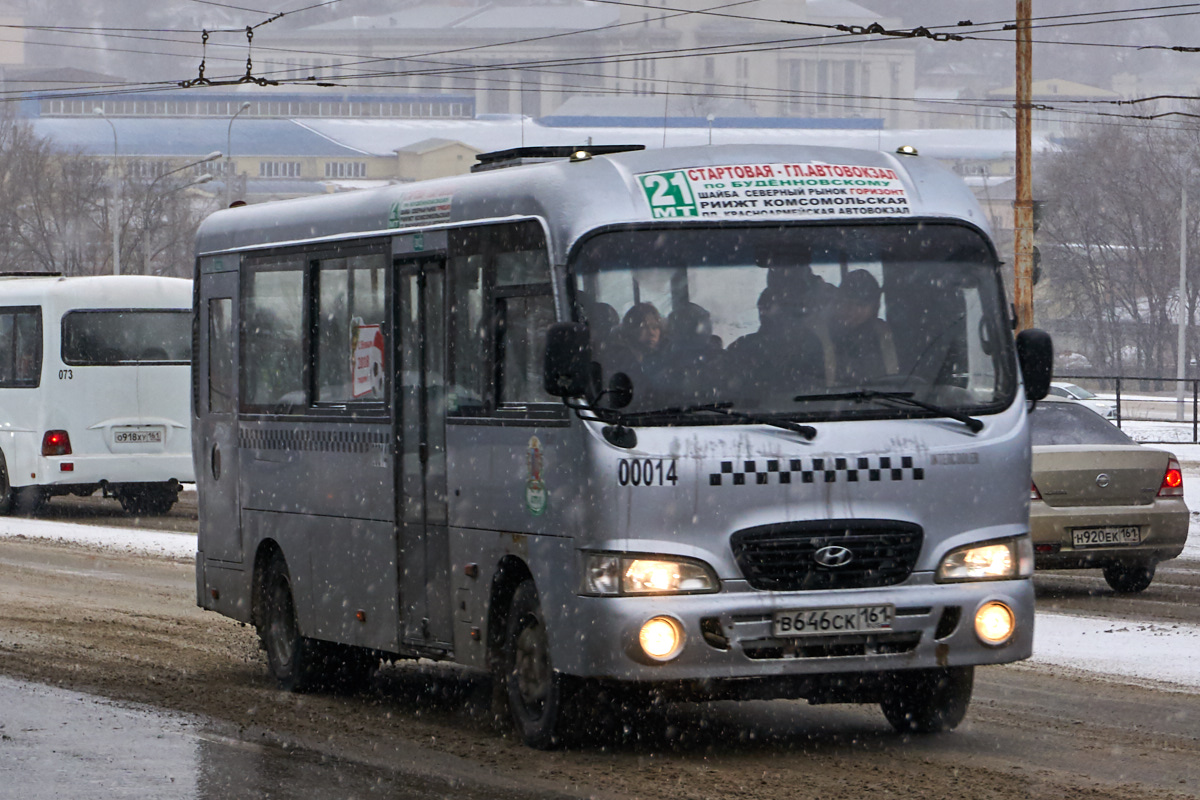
x,y
1034,494
56,443
1172,482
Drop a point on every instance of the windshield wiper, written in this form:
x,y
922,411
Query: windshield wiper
x,y
726,409
904,398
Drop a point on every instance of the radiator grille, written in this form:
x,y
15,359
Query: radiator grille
x,y
783,557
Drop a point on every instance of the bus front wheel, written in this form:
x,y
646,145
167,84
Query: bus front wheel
x,y
928,700
536,694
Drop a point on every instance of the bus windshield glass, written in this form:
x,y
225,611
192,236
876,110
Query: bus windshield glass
x,y
800,321
133,336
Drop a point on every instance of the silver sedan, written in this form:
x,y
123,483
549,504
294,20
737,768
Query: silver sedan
x,y
1100,500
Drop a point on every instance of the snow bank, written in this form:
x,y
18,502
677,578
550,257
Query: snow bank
x,y
124,540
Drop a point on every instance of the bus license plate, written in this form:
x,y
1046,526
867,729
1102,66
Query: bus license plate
x,y
827,621
1100,537
138,436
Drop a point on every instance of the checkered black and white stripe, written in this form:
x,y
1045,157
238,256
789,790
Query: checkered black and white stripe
x,y
816,470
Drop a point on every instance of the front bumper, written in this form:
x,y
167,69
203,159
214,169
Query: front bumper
x,y
1164,525
729,634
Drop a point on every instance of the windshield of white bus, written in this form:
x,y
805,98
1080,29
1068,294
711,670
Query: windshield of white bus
x,y
798,320
126,336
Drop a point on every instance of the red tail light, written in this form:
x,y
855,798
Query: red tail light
x,y
1172,482
56,443
1034,494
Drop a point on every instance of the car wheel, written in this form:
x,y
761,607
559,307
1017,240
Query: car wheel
x,y
928,700
535,693
1129,577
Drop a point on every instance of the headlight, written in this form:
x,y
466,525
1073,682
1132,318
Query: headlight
x,y
993,561
616,574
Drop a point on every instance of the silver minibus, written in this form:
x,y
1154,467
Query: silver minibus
x,y
704,423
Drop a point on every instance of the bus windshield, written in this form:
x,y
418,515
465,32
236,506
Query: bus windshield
x,y
817,321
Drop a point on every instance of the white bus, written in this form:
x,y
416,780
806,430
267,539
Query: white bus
x,y
94,389
717,422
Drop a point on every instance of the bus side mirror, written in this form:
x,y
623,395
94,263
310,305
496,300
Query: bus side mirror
x,y
568,365
1035,352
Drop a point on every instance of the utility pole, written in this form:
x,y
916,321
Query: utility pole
x,y
1023,205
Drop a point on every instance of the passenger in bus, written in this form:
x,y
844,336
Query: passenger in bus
x,y
812,301
639,349
862,341
642,333
783,355
695,354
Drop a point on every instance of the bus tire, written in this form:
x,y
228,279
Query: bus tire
x,y
28,499
7,496
536,694
928,700
149,499
1129,577
292,658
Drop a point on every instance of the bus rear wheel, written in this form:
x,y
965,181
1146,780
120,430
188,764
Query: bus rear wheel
x,y
148,499
536,694
290,656
928,700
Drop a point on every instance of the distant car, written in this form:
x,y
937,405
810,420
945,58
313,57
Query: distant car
x,y
1072,392
1101,500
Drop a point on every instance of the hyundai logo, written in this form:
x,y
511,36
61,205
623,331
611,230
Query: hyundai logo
x,y
833,555
1102,480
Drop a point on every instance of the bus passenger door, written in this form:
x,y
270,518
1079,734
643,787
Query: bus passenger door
x,y
421,491
215,440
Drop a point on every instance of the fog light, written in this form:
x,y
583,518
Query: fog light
x,y
995,623
661,638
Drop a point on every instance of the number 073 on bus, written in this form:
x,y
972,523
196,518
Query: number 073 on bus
x,y
734,422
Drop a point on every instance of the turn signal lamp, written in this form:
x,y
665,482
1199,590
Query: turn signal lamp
x,y
56,443
661,638
995,624
1172,482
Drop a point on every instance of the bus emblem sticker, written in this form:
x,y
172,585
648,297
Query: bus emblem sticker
x,y
535,488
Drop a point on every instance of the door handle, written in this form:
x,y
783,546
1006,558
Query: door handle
x,y
216,462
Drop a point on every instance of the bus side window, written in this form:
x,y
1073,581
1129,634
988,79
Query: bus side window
x,y
220,355
273,337
521,325
351,330
20,347
467,384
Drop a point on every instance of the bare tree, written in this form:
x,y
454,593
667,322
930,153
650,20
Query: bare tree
x,y
1110,242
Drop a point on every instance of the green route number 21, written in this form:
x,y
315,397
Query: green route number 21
x,y
669,194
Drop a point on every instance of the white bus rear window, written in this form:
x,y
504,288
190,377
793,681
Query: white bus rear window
x,y
128,336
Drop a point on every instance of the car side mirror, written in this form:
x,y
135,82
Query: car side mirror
x,y
1035,352
568,363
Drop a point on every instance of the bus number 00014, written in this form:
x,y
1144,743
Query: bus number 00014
x,y
647,472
